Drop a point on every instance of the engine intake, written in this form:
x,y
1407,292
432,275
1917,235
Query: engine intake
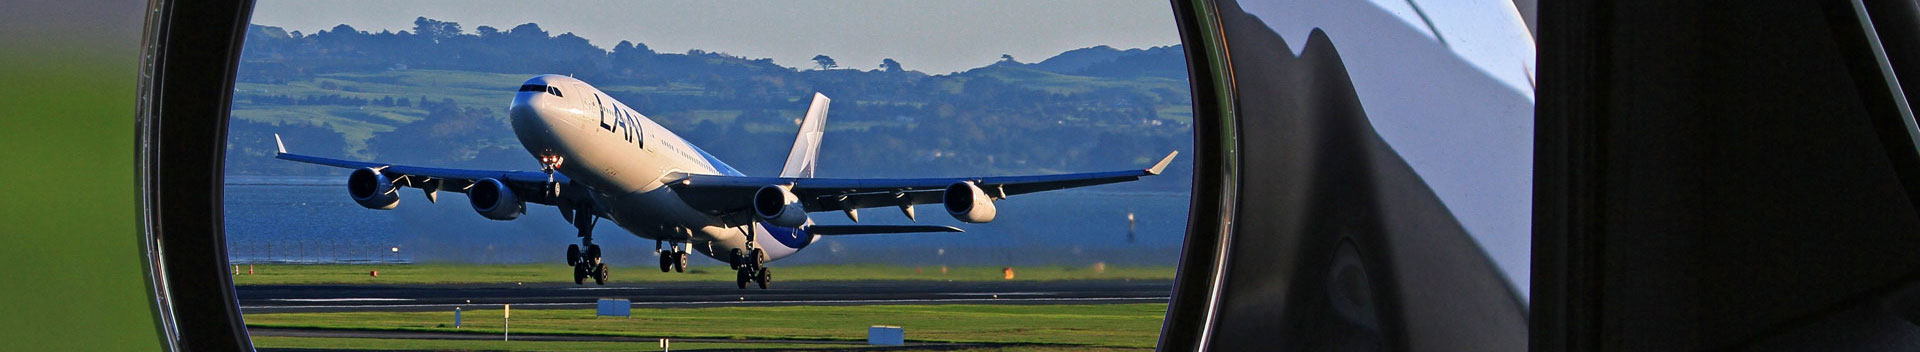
x,y
778,206
968,203
372,189
493,200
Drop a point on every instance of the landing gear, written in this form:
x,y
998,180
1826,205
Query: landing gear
x,y
672,259
579,274
750,265
666,261
573,254
549,164
733,259
586,264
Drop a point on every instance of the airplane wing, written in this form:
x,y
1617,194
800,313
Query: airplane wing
x,y
835,230
527,185
730,197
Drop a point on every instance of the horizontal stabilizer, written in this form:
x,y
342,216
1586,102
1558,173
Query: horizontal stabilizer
x,y
834,230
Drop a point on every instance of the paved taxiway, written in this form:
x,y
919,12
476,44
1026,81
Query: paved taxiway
x,y
340,298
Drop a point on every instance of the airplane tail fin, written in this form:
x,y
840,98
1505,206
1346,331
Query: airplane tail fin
x,y
806,146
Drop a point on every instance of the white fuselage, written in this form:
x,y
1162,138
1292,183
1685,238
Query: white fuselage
x,y
625,159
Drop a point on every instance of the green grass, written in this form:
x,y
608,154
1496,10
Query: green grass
x,y
497,345
1096,325
68,117
272,342
553,273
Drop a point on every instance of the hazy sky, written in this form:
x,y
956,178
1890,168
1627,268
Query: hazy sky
x,y
930,36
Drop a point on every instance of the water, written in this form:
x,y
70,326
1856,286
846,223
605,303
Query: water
x,y
312,220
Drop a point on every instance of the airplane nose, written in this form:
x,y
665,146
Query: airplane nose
x,y
536,112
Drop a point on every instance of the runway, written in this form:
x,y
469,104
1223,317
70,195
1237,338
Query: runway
x,y
345,298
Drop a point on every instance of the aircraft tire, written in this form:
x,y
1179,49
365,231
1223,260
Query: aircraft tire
x,y
740,277
600,274
733,259
757,257
666,261
579,274
573,254
765,277
593,254
680,262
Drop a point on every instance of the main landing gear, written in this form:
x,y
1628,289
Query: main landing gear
x,y
588,264
671,259
750,265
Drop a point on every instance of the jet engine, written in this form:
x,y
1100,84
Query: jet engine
x,y
968,203
493,200
778,206
372,189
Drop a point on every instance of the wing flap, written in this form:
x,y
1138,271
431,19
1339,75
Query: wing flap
x,y
721,195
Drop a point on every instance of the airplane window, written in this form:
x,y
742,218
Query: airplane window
x,y
953,174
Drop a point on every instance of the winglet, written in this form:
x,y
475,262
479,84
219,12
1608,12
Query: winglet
x,y
277,143
1163,163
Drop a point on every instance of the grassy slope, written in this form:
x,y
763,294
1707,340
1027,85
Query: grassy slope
x,y
283,274
492,90
1108,325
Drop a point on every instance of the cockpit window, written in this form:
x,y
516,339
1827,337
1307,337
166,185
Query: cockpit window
x,y
542,88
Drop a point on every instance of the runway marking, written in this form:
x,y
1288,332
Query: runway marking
x,y
998,293
341,299
825,301
604,288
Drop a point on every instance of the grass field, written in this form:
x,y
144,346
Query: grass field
x,y
321,343
272,343
489,345
1068,327
314,274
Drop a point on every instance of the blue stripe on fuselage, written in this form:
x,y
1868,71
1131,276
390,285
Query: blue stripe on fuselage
x,y
718,166
795,238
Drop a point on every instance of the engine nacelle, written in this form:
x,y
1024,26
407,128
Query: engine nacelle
x,y
778,206
493,200
968,203
372,189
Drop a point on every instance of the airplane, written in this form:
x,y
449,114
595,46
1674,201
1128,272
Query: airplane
x,y
600,159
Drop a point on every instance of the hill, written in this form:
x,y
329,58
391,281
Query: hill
x,y
437,96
